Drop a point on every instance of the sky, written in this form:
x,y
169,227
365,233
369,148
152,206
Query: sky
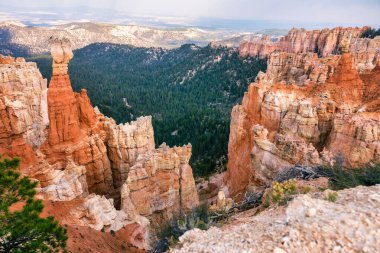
x,y
345,12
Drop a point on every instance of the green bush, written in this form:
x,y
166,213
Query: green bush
x,y
370,33
280,193
332,196
340,178
177,226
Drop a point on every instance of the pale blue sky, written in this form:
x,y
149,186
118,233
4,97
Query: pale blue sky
x,y
363,12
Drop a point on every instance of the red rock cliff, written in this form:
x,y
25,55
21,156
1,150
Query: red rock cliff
x,y
324,43
282,124
77,154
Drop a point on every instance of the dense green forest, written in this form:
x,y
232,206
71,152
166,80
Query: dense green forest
x,y
189,91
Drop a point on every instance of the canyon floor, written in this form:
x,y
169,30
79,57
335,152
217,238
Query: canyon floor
x,y
309,223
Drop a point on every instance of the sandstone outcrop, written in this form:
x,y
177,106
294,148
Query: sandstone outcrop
x,y
280,124
303,54
23,109
63,110
160,184
299,68
323,42
309,223
64,184
80,156
84,217
259,47
125,143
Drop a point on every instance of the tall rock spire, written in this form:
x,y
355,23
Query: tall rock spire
x,y
345,83
345,73
63,111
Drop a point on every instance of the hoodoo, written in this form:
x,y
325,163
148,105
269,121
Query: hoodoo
x,y
63,112
285,120
77,154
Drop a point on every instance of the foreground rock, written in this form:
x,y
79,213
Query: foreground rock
x,y
308,224
112,172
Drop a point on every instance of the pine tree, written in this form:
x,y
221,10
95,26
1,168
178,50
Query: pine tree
x,y
25,230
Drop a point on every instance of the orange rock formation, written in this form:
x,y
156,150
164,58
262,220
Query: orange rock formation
x,y
279,125
76,153
300,43
63,111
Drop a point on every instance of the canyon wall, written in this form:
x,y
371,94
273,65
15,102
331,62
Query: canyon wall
x,y
305,110
307,50
23,108
112,173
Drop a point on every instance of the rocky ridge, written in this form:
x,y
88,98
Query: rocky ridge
x,y
33,39
299,40
309,223
304,55
80,156
309,121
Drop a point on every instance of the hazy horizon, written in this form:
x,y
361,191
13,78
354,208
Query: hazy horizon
x,y
240,15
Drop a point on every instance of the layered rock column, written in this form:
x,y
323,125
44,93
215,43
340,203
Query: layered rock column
x,y
160,184
63,111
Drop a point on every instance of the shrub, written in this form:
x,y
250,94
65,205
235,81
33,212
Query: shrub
x,y
340,178
332,196
370,33
306,189
266,202
201,225
281,193
177,226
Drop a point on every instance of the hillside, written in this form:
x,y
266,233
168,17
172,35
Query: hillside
x,y
18,39
189,91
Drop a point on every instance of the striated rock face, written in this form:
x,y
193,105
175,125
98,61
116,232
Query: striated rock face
x,y
294,67
365,52
23,108
299,68
309,223
294,58
77,154
64,184
323,42
125,143
258,47
160,184
279,125
63,111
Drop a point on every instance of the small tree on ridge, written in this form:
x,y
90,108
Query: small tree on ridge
x,y
25,230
